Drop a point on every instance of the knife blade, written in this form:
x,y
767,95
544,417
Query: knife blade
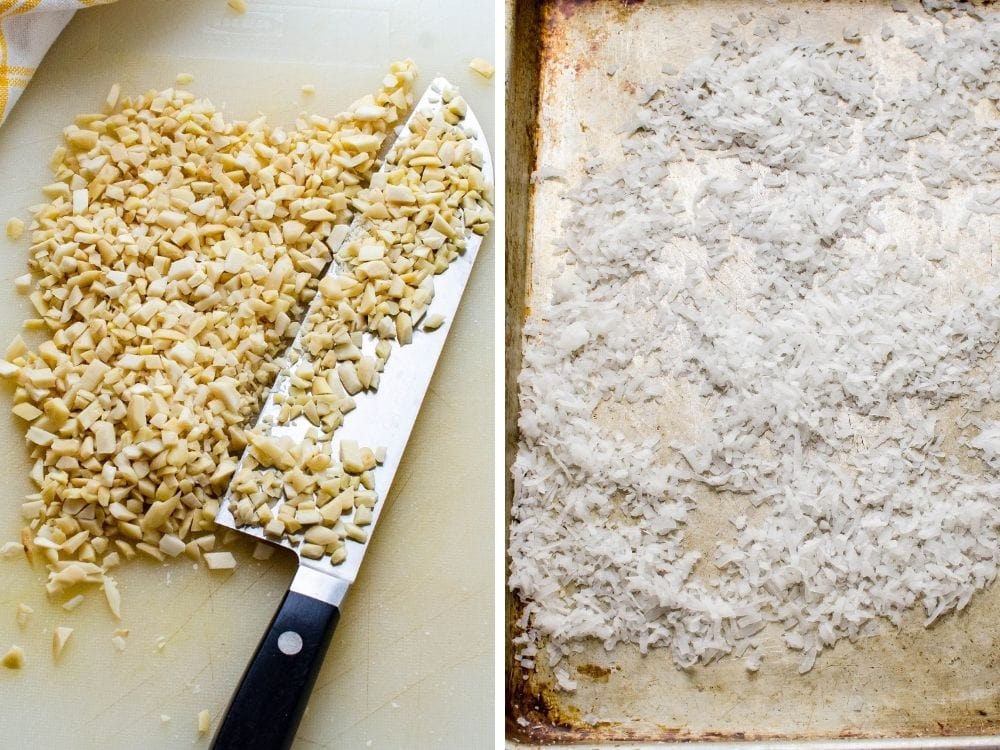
x,y
267,706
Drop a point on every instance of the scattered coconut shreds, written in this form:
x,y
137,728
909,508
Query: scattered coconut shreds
x,y
240,6
308,89
807,326
184,79
204,721
172,262
118,642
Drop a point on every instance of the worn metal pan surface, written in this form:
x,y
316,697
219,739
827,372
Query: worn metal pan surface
x,y
912,687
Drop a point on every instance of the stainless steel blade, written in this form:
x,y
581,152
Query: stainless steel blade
x,y
384,417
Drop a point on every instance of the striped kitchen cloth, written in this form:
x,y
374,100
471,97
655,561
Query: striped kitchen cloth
x,y
27,28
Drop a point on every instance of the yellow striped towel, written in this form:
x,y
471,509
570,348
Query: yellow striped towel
x,y
27,28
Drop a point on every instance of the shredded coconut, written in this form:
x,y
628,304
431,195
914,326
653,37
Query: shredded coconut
x,y
794,254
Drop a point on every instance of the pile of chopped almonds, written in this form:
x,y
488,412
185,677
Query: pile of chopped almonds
x,y
174,257
415,217
310,491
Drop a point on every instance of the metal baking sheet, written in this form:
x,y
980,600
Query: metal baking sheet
x,y
912,687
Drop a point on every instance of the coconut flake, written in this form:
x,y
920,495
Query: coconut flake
x,y
786,304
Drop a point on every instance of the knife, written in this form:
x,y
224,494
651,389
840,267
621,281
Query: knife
x,y
268,705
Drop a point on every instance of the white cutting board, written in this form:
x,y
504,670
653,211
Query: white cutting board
x,y
411,664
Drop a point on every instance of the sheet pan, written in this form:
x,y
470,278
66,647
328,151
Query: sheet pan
x,y
907,688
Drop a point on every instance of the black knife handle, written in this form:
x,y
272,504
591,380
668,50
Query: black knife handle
x,y
273,693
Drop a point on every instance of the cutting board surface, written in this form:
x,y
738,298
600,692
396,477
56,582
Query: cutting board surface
x,y
411,664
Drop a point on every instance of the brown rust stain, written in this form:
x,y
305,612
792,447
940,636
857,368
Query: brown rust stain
x,y
557,51
533,712
523,91
594,672
547,719
568,8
